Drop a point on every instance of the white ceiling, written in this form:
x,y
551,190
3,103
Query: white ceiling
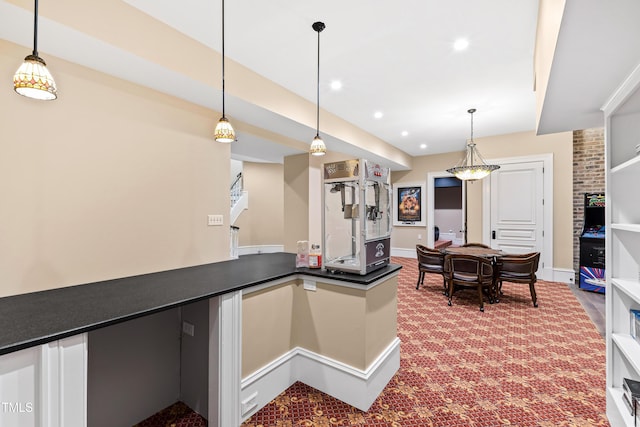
x,y
395,59
398,60
598,47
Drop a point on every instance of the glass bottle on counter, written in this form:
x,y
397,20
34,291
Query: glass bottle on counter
x,y
315,257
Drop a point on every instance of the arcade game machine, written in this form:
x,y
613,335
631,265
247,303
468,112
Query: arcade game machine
x,y
592,262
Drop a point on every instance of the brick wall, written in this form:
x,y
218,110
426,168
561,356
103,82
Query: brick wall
x,y
588,177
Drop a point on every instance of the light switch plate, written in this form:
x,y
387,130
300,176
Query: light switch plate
x,y
215,220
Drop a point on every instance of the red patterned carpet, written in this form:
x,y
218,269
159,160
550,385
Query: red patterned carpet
x,y
177,415
513,365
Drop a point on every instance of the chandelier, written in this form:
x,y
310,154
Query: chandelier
x,y
472,166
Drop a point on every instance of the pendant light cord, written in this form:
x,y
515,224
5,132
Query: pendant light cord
x,y
223,116
35,29
318,27
471,144
318,91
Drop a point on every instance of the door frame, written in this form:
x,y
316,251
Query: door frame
x,y
547,238
431,196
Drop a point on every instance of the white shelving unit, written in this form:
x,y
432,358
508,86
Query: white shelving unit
x,y
622,134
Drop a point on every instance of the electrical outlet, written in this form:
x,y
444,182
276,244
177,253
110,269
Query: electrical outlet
x,y
419,236
249,404
309,285
188,328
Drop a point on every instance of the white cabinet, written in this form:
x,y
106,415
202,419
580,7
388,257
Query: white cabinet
x,y
45,385
622,134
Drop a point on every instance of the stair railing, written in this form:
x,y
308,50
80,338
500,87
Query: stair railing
x,y
236,190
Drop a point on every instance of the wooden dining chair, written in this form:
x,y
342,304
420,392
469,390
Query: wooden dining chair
x,y
470,271
430,261
518,269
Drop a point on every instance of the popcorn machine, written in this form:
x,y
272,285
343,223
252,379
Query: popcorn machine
x,y
356,219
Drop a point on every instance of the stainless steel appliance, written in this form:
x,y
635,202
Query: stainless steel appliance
x,y
356,219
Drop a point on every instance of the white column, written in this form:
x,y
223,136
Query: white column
x,y
225,314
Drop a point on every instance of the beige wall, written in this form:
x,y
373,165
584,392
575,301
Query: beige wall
x,y
503,146
267,325
296,200
352,326
109,180
263,222
405,236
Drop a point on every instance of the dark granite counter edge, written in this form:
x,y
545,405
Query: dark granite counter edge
x,y
36,318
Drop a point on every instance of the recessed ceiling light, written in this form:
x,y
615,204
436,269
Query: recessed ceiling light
x,y
423,146
461,44
405,133
336,85
378,114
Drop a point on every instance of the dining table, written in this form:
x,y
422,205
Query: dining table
x,y
474,250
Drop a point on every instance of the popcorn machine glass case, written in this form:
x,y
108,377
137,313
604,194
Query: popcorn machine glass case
x,y
356,219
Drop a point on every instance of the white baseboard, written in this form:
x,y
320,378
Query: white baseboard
x,y
260,249
351,385
404,253
564,275
262,386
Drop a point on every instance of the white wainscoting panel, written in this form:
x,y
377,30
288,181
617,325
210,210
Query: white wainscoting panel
x,y
46,385
351,385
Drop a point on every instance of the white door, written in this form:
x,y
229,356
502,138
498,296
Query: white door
x,y
517,208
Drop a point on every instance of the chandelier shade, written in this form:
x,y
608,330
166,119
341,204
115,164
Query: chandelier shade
x,y
317,145
472,166
224,131
33,79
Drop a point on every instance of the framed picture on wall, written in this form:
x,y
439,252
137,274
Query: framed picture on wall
x,y
409,205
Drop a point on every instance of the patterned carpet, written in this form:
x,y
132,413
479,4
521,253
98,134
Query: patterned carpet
x,y
176,415
513,365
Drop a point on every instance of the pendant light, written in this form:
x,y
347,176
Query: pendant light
x,y
317,146
32,79
224,131
472,166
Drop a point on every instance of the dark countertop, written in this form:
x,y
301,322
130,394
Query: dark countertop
x,y
35,318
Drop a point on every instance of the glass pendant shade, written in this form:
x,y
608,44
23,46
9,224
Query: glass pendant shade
x,y
472,166
470,171
317,147
224,131
33,80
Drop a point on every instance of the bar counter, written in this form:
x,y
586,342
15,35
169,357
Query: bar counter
x,y
225,338
36,318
